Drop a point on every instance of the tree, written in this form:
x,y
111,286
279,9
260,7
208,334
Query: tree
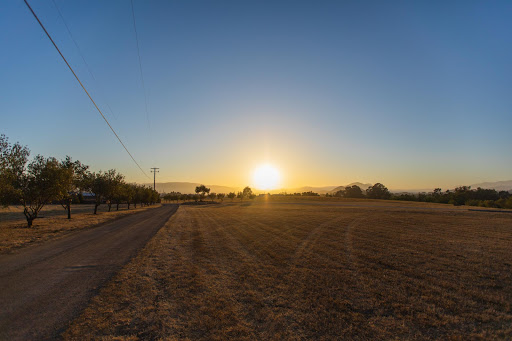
x,y
212,196
105,186
45,180
203,190
113,182
173,196
128,193
461,195
13,160
221,196
79,174
97,184
246,193
378,191
231,195
353,191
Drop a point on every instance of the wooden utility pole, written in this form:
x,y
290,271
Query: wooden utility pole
x,y
154,171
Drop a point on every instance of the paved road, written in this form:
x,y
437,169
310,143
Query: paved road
x,y
43,288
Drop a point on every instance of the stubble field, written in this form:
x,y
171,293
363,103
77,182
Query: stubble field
x,y
313,270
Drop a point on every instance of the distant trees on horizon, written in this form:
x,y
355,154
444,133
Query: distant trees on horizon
x,y
201,192
462,195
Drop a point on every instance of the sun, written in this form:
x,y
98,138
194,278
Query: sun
x,y
266,177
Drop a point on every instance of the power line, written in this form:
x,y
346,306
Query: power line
x,y
81,54
140,63
83,87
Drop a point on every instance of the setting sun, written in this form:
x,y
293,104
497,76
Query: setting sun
x,y
266,177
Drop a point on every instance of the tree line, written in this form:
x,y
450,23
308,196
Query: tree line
x,y
462,195
46,180
202,192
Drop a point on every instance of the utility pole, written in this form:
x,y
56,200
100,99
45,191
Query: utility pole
x,y
154,171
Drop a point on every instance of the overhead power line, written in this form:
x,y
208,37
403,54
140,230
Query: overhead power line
x,y
81,54
83,87
140,64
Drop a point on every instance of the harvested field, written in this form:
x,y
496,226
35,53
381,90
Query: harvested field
x,y
290,270
52,223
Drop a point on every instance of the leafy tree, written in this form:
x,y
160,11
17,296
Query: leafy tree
x,y
221,196
504,195
137,195
212,196
461,195
378,191
247,193
203,190
98,185
353,191
13,160
173,196
79,173
113,181
44,181
128,193
231,195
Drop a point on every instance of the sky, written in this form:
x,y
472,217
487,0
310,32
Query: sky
x,y
409,94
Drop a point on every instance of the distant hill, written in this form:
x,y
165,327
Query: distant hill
x,y
360,184
497,185
189,187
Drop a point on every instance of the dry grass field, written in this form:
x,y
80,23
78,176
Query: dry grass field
x,y
52,223
314,269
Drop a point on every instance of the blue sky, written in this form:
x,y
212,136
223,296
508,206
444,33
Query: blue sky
x,y
413,95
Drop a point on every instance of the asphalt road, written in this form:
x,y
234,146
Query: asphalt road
x,y
43,288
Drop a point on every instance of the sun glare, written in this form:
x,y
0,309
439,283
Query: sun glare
x,y
266,177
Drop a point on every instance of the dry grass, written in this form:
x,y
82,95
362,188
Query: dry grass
x,y
307,271
52,223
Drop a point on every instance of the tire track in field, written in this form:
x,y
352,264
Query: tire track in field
x,y
227,273
359,263
442,287
201,270
312,238
267,236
